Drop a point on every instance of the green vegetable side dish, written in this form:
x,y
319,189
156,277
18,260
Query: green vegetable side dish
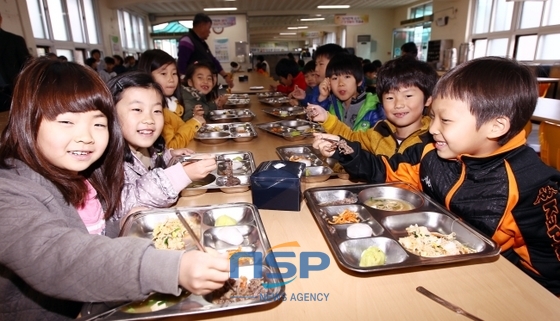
x,y
295,133
372,256
307,172
237,159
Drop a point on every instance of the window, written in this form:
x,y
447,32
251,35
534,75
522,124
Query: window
x,y
58,24
132,30
524,30
421,11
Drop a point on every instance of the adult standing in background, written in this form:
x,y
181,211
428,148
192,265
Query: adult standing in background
x,y
13,55
193,48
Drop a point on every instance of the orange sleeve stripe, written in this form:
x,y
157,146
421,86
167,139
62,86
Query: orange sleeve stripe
x,y
507,233
405,173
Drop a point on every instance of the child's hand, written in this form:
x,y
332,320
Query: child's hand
x,y
294,102
316,113
221,101
200,169
181,152
326,147
298,93
198,114
201,273
324,89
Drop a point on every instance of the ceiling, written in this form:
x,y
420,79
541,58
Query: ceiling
x,y
266,18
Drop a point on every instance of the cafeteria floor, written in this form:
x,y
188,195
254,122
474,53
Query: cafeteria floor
x,y
532,140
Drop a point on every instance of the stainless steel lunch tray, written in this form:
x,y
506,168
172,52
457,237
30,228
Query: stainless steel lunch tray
x,y
238,102
141,224
270,94
237,96
292,130
231,115
275,101
389,226
306,151
286,112
243,167
220,133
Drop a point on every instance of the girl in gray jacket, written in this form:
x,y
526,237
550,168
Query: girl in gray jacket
x,y
61,137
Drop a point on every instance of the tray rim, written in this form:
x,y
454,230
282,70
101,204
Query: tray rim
x,y
493,250
169,312
213,185
231,136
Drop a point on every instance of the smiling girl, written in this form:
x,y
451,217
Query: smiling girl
x,y
148,181
200,81
62,154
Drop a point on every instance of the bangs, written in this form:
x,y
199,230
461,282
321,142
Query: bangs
x,y
67,88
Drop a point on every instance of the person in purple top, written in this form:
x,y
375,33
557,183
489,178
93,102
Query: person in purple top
x,y
193,48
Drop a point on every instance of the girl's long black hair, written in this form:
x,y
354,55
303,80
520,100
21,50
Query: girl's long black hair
x,y
138,79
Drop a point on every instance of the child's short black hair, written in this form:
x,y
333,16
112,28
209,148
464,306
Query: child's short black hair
x,y
409,48
377,63
234,64
345,64
328,51
405,72
309,67
493,87
286,67
109,60
370,68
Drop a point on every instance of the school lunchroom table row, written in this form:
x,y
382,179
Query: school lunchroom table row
x,y
490,288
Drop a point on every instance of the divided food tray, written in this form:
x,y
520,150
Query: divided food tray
x,y
286,112
243,165
275,101
292,130
311,157
388,226
248,223
270,94
231,115
220,133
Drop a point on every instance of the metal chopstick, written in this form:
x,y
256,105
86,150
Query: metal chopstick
x,y
446,303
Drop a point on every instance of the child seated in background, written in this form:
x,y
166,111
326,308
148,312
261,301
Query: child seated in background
x,y
354,107
261,69
234,66
311,82
290,76
479,166
163,68
370,74
322,57
198,90
405,86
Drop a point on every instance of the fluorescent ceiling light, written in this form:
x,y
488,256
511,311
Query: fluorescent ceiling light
x,y
287,33
295,28
311,19
220,9
338,6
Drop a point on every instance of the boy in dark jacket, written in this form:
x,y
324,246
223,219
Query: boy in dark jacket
x,y
479,166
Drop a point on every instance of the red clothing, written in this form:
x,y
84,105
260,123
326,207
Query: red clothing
x,y
299,80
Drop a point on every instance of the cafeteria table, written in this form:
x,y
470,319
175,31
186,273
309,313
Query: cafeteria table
x,y
254,79
491,288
